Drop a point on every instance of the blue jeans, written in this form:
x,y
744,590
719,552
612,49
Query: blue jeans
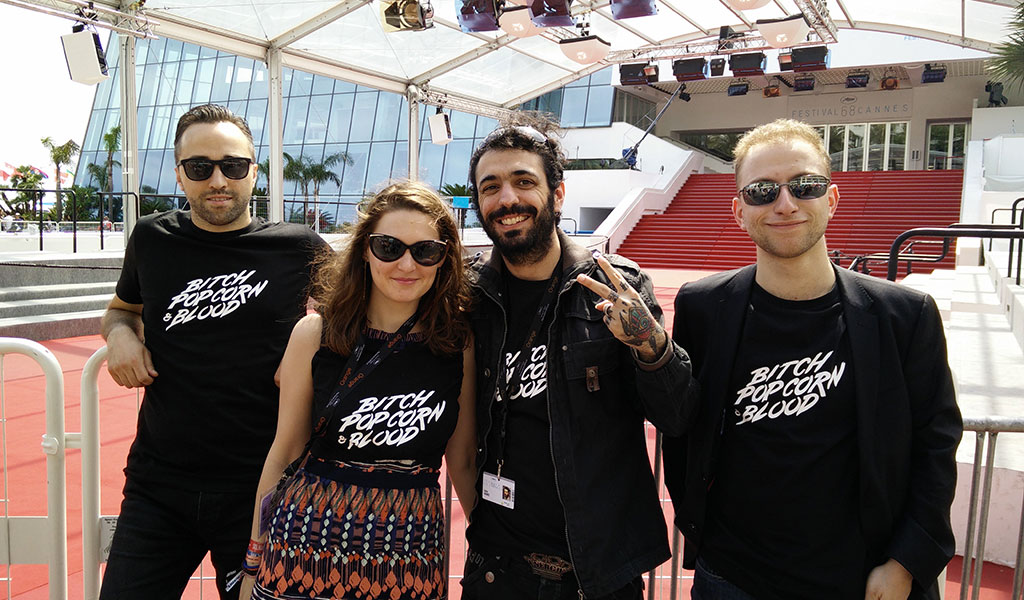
x,y
708,585
162,535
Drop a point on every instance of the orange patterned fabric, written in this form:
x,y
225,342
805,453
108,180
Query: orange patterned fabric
x,y
330,539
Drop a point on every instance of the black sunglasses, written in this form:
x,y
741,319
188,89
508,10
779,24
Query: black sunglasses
x,y
389,249
805,187
200,169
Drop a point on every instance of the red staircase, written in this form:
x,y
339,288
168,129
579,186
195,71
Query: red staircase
x,y
697,231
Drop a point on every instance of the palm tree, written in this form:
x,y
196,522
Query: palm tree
x,y
27,179
295,170
60,155
320,173
112,144
1008,62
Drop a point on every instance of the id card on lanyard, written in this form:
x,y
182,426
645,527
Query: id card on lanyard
x,y
495,488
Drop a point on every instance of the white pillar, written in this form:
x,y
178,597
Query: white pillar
x,y
129,135
275,117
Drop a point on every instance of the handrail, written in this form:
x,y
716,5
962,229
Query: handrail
x,y
54,445
947,232
992,221
90,416
907,256
41,192
1020,244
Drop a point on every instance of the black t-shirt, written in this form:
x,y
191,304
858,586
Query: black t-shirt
x,y
217,309
782,512
537,523
404,411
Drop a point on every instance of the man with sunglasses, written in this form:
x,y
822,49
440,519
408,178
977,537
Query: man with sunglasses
x,y
200,318
821,462
571,359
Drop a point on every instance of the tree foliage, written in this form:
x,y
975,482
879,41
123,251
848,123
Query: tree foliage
x,y
1007,64
60,155
25,178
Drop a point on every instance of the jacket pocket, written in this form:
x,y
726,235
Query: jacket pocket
x,y
592,361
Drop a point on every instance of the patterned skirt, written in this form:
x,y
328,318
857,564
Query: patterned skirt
x,y
349,532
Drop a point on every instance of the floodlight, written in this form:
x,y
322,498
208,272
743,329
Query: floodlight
x,y
785,61
889,81
690,69
738,88
516,20
933,73
406,15
809,58
632,74
651,72
585,50
804,83
477,15
748,64
627,9
995,94
857,79
683,94
785,31
725,34
552,13
717,66
747,4
771,91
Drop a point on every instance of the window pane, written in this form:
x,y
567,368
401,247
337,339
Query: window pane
x,y
222,79
161,128
173,51
168,81
340,118
260,87
599,106
102,94
295,119
836,143
355,173
256,116
150,81
876,149
456,162
855,148
574,107
379,169
897,146
316,123
959,135
602,77
400,166
362,116
323,85
242,79
431,163
403,119
386,123
338,168
485,125
145,126
155,52
204,81
302,84
186,82
463,124
190,51
938,144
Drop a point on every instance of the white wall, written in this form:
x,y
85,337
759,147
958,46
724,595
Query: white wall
x,y
987,123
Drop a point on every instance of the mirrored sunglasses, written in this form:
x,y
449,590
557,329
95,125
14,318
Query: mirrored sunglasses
x,y
805,187
389,249
200,169
523,130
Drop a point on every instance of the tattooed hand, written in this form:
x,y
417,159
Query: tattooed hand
x,y
626,315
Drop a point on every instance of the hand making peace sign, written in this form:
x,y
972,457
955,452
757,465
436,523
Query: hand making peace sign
x,y
626,314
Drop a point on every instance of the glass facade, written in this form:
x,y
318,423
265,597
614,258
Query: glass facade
x,y
866,146
323,117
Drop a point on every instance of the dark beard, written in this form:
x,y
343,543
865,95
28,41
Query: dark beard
x,y
525,247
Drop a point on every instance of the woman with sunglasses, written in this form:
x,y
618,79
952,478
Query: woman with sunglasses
x,y
375,388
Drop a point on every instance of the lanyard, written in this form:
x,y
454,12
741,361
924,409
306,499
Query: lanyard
x,y
505,379
349,380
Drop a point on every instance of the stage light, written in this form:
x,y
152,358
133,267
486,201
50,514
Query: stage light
x,y
683,94
809,58
477,15
585,50
857,79
406,15
785,31
651,73
785,61
552,13
747,65
771,91
889,80
725,35
738,88
747,4
804,83
933,73
632,74
690,69
717,67
995,94
627,9
516,20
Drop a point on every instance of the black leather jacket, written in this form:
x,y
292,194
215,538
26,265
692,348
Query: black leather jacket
x,y
615,528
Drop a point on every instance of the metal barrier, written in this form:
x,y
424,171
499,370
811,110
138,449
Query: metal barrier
x,y
21,535
946,233
987,430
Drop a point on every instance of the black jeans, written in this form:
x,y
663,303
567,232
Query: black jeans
x,y
708,585
510,578
162,535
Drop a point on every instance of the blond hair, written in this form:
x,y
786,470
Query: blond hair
x,y
781,131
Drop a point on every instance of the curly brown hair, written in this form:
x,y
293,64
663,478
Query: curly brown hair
x,y
342,283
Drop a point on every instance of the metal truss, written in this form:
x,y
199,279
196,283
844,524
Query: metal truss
x,y
134,23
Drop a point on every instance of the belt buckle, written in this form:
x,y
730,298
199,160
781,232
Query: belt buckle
x,y
547,566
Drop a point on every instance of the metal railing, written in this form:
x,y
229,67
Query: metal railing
x,y
23,533
987,429
959,231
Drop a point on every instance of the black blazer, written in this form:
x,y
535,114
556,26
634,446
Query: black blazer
x,y
908,423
